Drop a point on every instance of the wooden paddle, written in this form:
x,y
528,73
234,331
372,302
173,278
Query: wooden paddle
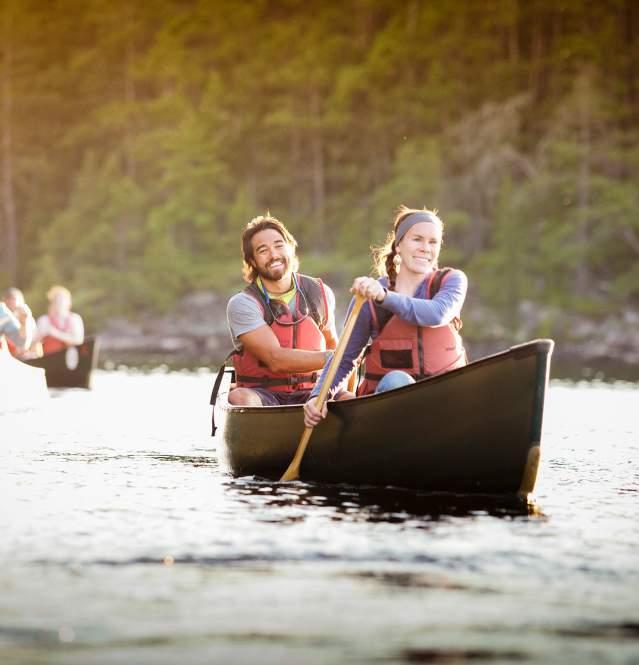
x,y
293,471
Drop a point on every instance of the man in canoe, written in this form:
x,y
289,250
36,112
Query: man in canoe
x,y
413,314
282,324
12,330
14,300
60,327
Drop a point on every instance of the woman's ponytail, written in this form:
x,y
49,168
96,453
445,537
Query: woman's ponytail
x,y
391,268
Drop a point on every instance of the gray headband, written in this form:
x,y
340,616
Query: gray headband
x,y
409,221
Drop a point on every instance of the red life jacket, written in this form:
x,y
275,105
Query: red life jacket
x,y
52,344
11,347
419,351
311,316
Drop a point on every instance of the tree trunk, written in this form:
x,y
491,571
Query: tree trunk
x,y
412,24
364,24
129,96
251,186
630,20
536,50
10,233
295,146
317,152
513,31
583,184
125,221
513,41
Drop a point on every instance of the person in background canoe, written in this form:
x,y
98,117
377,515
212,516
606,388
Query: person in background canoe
x,y
413,315
14,299
60,327
13,332
281,324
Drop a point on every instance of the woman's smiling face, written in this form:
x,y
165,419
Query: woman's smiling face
x,y
419,248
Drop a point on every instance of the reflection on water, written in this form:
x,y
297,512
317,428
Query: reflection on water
x,y
374,504
124,541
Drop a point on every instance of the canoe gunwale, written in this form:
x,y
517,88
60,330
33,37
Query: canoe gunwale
x,y
475,436
526,349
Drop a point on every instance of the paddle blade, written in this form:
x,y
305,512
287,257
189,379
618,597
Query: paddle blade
x,y
293,471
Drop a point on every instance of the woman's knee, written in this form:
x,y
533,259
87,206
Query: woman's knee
x,y
394,379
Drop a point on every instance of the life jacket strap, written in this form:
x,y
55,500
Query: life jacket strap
x,y
436,282
272,381
216,388
313,295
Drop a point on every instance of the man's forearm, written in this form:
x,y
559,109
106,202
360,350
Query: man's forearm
x,y
296,360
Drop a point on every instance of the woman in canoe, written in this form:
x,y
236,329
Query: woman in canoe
x,y
413,314
59,328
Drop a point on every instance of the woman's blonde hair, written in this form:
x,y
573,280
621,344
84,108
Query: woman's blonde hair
x,y
384,254
57,290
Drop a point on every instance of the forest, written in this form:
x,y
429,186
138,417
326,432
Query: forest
x,y
137,138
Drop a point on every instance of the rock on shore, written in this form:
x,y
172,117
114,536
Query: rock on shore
x,y
195,329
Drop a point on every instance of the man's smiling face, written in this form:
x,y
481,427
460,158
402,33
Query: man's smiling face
x,y
272,255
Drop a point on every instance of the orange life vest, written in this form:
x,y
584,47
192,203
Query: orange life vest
x,y
52,344
419,351
302,332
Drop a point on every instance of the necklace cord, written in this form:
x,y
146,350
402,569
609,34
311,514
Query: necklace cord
x,y
287,323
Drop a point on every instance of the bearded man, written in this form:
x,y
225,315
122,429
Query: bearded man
x,y
282,324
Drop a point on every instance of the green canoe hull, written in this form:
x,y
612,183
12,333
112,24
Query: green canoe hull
x,y
474,429
70,368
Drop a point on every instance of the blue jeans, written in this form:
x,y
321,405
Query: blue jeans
x,y
394,379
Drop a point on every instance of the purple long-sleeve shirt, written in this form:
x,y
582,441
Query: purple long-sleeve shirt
x,y
418,310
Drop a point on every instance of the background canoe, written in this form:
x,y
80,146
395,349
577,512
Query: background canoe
x,y
474,429
70,368
21,387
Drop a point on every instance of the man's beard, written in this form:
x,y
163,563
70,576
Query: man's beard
x,y
274,275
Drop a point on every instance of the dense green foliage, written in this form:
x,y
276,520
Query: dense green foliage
x,y
138,138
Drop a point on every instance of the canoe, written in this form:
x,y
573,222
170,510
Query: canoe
x,y
71,367
21,387
476,429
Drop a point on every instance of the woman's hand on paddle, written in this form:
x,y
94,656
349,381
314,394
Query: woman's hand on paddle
x,y
367,287
312,415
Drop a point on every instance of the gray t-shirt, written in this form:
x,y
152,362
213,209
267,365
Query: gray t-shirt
x,y
244,314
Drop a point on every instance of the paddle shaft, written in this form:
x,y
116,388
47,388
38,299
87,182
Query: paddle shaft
x,y
293,471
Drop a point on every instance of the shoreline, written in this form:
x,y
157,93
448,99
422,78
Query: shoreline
x,y
196,335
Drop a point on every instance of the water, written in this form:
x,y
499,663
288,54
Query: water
x,y
124,542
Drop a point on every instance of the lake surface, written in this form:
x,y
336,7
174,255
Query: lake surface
x,y
125,542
